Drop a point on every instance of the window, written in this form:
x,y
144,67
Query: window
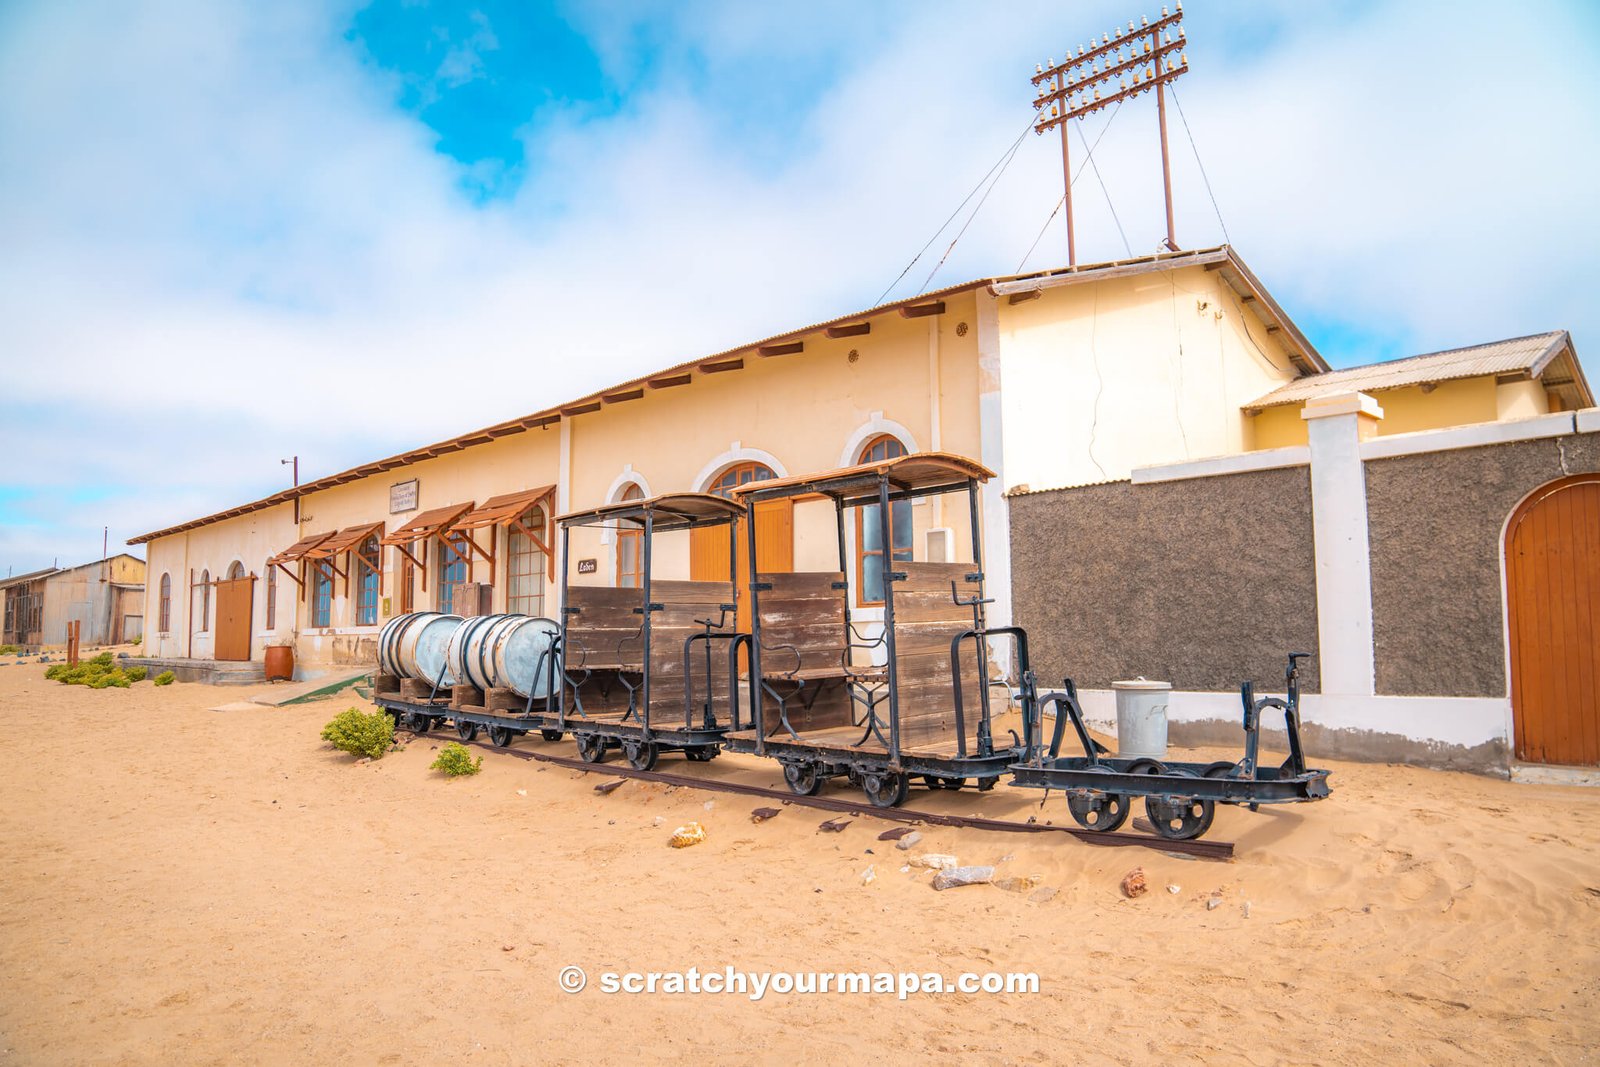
x,y
630,546
737,475
870,540
272,597
205,599
321,595
452,569
366,564
235,571
164,615
526,566
407,584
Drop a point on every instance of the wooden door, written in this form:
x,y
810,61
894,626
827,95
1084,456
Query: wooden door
x,y
1553,615
235,599
708,551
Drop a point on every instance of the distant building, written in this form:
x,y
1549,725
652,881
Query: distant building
x,y
106,596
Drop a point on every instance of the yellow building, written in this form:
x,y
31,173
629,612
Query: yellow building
x,y
1058,378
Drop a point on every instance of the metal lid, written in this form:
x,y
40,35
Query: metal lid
x,y
1141,683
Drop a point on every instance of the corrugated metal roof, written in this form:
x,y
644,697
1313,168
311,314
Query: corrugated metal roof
x,y
1221,257
31,576
1529,356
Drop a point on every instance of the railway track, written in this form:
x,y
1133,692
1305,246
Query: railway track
x,y
1201,849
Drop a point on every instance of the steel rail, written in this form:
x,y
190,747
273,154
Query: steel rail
x,y
1213,850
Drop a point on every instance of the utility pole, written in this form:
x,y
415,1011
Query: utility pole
x,y
296,461
1073,88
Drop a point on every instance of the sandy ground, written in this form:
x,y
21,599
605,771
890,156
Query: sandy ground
x,y
188,886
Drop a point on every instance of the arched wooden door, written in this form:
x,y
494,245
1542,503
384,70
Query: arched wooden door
x,y
1553,613
235,602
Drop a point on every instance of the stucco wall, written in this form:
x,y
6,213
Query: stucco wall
x,y
1437,519
1203,583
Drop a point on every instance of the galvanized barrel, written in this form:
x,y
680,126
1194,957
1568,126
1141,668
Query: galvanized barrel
x,y
522,655
413,646
467,651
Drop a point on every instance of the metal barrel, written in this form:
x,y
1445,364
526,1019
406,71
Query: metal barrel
x,y
413,646
466,653
519,655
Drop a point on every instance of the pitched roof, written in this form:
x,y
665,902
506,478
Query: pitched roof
x,y
31,576
1017,287
1546,355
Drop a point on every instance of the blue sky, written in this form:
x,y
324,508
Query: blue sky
x,y
235,232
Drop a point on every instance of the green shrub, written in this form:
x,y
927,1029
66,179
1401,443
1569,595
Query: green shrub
x,y
165,678
357,733
53,673
104,659
10,650
137,674
455,761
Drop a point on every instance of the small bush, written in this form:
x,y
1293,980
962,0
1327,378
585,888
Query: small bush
x,y
53,674
165,678
104,659
455,761
10,650
357,733
137,674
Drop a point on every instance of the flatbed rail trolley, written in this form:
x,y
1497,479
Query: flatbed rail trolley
x,y
1180,798
831,701
650,668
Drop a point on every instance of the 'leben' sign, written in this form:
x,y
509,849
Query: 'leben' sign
x,y
403,497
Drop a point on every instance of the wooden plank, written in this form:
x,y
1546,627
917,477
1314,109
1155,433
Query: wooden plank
x,y
788,348
801,583
681,592
721,365
920,311
854,329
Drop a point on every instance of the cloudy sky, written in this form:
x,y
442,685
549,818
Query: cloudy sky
x,y
231,233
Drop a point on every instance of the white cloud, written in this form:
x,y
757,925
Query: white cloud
x,y
220,232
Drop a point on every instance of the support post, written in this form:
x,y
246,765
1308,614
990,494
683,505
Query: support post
x,y
1066,175
1335,427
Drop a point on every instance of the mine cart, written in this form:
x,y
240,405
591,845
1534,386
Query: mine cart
x,y
648,663
1179,798
489,672
879,703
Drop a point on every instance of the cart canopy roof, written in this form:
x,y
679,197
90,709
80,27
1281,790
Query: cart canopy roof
x,y
670,511
917,474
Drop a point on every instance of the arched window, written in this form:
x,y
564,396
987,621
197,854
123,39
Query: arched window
x,y
366,564
205,600
737,475
235,570
321,595
872,546
452,571
525,571
164,615
272,597
630,546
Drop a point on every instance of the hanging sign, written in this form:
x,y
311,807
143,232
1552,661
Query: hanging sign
x,y
403,497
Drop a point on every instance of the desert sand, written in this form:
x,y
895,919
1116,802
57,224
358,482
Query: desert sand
x,y
184,885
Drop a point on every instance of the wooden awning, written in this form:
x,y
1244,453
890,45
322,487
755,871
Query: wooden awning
x,y
427,524
503,510
326,554
344,540
422,528
299,550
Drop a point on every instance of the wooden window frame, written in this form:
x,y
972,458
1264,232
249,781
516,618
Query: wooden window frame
x,y
893,551
205,601
164,604
449,556
534,552
272,598
630,544
363,567
318,576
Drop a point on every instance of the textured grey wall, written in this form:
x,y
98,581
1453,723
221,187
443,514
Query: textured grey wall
x,y
1203,583
1435,527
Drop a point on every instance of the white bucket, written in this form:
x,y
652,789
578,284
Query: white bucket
x,y
1142,718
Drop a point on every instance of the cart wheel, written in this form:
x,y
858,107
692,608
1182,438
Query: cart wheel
x,y
885,789
467,731
986,784
1103,813
802,778
550,735
703,754
500,736
417,724
642,755
1220,769
944,783
1180,818
591,749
